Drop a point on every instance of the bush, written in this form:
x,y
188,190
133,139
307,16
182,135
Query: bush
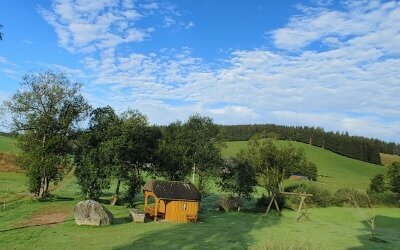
x,y
227,203
343,196
377,184
386,198
263,202
321,196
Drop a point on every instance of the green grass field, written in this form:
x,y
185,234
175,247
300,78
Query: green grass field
x,y
339,171
27,224
8,145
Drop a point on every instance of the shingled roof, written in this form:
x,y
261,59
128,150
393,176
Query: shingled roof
x,y
173,190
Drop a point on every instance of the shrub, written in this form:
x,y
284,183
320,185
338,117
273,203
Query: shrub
x,y
377,184
386,198
227,203
321,196
263,202
343,196
393,174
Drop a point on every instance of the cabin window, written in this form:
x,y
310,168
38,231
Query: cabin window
x,y
184,206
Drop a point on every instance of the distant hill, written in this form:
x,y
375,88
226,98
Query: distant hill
x,y
8,144
356,147
340,171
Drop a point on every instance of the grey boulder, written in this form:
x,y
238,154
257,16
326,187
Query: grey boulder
x,y
92,213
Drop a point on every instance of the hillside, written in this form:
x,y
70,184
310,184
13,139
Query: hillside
x,y
339,171
388,159
7,144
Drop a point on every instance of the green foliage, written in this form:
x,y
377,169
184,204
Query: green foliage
x,y
203,139
347,196
46,113
335,171
227,203
377,184
173,161
274,163
321,196
238,178
263,202
394,176
94,154
196,143
386,198
134,149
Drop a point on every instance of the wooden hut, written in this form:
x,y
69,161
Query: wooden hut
x,y
173,200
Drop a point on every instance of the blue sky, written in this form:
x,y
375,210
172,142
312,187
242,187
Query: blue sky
x,y
334,64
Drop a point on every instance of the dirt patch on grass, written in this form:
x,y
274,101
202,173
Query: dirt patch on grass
x,y
47,216
8,163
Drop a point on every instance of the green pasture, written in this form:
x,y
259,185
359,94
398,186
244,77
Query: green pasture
x,y
8,144
335,171
329,228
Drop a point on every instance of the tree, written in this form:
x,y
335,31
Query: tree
x,y
46,113
194,145
94,156
203,139
172,153
272,163
238,177
377,184
135,148
394,176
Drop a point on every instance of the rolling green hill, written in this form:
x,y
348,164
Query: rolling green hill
x,y
339,171
7,144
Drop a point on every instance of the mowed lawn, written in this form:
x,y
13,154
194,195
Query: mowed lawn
x,y
330,228
339,171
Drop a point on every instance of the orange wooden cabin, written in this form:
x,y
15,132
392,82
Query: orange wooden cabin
x,y
173,200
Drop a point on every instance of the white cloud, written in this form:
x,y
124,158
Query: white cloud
x,y
352,84
367,22
83,26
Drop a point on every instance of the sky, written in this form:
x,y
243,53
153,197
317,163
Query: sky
x,y
332,64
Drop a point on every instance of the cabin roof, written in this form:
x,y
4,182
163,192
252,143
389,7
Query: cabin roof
x,y
173,190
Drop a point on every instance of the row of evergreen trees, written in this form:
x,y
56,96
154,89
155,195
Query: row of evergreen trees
x,y
357,147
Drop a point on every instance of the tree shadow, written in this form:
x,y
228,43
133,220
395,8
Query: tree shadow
x,y
387,234
214,230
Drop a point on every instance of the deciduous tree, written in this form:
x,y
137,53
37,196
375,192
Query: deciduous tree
x,y
238,178
46,112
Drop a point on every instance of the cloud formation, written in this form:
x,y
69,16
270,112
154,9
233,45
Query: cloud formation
x,y
333,68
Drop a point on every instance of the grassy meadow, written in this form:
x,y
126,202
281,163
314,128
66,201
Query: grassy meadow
x,y
8,145
335,171
49,224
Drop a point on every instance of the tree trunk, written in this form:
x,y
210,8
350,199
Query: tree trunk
x,y
44,187
116,196
238,202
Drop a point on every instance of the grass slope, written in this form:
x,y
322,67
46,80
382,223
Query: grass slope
x,y
8,145
339,171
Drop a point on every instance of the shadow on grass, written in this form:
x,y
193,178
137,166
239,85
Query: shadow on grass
x,y
387,234
214,230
